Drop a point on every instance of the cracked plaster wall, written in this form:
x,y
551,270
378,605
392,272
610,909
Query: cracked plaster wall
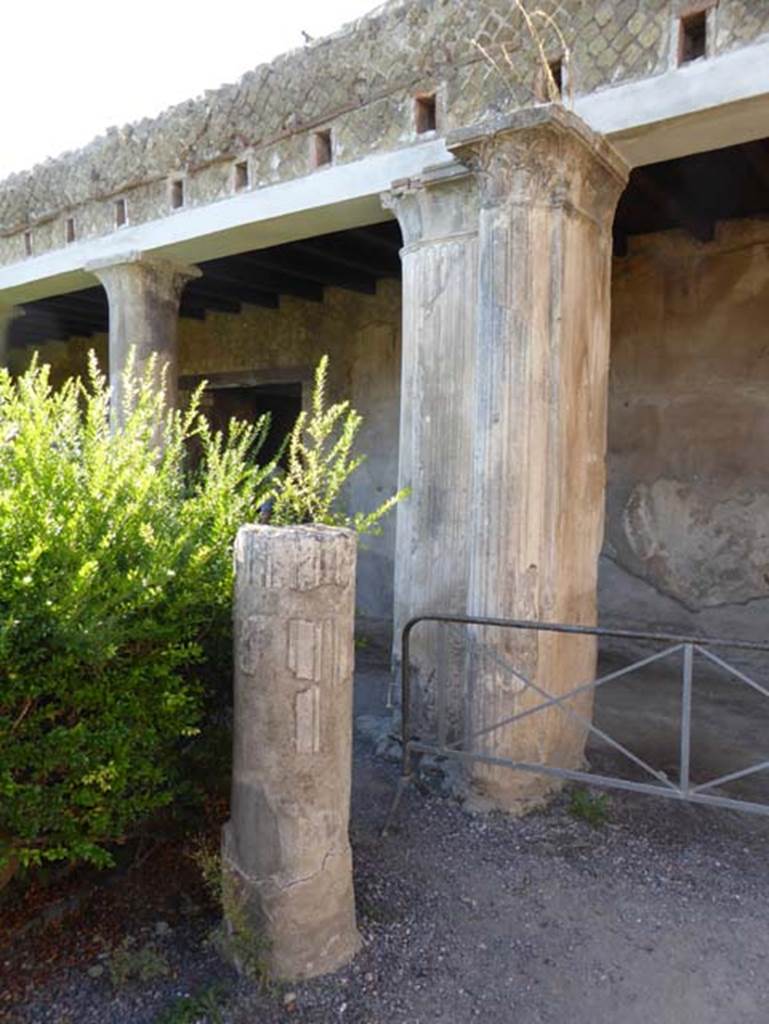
x,y
687,532
361,82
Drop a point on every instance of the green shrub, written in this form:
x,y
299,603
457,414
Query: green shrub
x,y
320,462
116,591
115,573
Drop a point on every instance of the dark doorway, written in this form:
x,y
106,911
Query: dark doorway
x,y
283,402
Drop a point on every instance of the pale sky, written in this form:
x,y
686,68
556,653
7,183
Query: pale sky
x,y
69,70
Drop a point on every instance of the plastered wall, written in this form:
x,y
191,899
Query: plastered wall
x,y
687,532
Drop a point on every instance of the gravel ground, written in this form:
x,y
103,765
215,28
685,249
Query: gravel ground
x,y
660,914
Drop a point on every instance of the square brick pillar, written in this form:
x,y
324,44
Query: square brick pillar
x,y
548,190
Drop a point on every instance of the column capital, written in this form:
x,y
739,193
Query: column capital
x,y
144,292
440,204
10,312
167,274
543,154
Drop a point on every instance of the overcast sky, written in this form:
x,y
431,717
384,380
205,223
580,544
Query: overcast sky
x,y
70,70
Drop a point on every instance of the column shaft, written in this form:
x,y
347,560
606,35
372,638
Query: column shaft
x,y
548,193
438,219
143,294
7,315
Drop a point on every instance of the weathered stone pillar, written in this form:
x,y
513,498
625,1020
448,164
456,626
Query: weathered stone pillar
x,y
143,293
549,187
7,315
438,217
286,847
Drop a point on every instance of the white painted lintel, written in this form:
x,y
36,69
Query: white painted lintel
x,y
704,105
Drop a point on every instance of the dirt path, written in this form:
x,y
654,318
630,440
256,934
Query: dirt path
x,y
659,915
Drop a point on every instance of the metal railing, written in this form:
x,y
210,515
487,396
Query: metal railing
x,y
687,646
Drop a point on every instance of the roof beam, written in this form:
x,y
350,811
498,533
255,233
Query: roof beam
x,y
229,271
336,257
310,270
674,207
205,289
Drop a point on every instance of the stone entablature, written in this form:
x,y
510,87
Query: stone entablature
x,y
360,83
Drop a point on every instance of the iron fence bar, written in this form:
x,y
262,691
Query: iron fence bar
x,y
582,688
686,719
695,643
560,627
723,779
599,781
734,671
440,697
590,726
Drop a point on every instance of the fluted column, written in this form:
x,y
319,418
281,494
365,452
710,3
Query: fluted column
x,y
438,218
143,293
548,191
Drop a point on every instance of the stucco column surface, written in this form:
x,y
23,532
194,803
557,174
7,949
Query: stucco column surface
x,y
286,847
7,315
438,218
548,191
143,293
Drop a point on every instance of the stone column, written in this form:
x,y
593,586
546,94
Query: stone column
x,y
438,219
143,293
286,848
7,315
549,187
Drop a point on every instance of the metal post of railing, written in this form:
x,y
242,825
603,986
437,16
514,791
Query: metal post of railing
x,y
686,720
689,645
405,775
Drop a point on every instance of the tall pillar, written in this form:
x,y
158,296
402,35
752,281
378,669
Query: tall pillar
x,y
438,218
548,191
143,293
7,315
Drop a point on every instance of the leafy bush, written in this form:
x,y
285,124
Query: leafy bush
x,y
115,592
320,462
115,569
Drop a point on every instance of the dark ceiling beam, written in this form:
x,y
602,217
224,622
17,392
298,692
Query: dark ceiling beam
x,y
282,260
334,257
389,243
230,272
34,334
213,301
757,157
70,327
94,298
674,207
69,308
205,289
192,312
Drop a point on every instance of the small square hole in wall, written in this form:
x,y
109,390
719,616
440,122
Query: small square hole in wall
x,y
177,194
241,175
121,213
27,243
321,148
692,37
425,116
69,230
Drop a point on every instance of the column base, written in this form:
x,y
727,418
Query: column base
x,y
289,930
